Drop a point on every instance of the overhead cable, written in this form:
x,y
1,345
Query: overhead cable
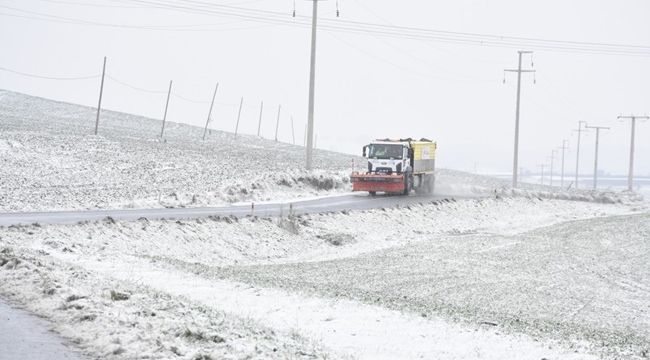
x,y
50,77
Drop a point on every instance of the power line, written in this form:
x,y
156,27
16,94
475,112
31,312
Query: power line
x,y
50,77
369,10
562,98
475,38
275,18
134,87
424,61
190,100
409,69
83,4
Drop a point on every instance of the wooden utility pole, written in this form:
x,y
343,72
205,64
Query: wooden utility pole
x,y
259,125
210,112
166,106
564,147
630,172
293,134
578,149
277,124
241,103
101,90
596,157
516,157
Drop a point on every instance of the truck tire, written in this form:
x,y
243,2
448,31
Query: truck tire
x,y
372,193
432,185
430,180
408,183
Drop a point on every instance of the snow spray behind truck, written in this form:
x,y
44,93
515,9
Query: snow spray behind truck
x,y
397,166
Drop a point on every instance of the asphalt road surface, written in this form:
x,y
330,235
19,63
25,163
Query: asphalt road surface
x,y
356,201
26,336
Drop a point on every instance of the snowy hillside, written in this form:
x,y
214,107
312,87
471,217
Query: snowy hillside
x,y
530,273
52,160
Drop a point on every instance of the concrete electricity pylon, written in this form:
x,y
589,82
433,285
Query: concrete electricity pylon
x,y
596,157
630,173
312,84
516,156
578,149
564,147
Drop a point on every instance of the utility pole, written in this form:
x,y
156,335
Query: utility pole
x,y
552,157
277,124
596,157
541,179
259,125
564,147
516,157
630,173
241,103
210,112
166,106
101,90
312,83
293,134
578,149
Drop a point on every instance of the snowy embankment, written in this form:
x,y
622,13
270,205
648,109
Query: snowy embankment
x,y
507,278
530,273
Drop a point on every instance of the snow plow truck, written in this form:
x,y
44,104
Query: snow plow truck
x,y
397,166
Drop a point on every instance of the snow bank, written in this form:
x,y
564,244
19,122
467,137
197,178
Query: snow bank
x,y
75,273
512,274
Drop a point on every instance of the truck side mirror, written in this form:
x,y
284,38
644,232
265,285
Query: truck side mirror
x,y
364,151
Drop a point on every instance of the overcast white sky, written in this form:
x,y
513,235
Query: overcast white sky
x,y
384,69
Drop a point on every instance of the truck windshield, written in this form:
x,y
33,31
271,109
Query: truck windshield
x,y
384,151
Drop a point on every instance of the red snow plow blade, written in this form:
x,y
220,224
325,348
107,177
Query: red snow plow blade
x,y
376,182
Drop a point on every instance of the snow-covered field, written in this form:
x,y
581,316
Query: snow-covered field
x,y
520,274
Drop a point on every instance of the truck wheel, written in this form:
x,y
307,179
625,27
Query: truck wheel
x,y
408,184
429,184
372,193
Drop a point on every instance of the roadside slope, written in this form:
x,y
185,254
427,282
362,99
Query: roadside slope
x,y
463,264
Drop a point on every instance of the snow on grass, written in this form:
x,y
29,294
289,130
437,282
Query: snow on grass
x,y
528,273
51,161
112,319
463,264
